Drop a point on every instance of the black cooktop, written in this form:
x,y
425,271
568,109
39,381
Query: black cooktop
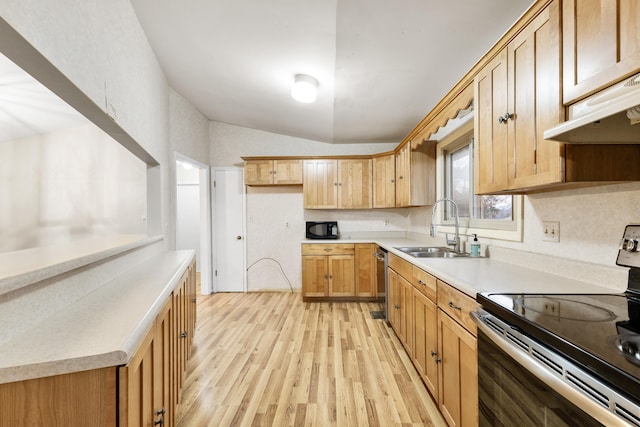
x,y
601,333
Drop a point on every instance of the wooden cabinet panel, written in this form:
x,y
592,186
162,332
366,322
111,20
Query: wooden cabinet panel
x,y
404,268
400,307
320,190
80,399
457,305
458,374
384,181
425,344
287,172
341,276
315,275
490,144
601,44
424,282
355,184
403,176
328,249
273,172
534,99
366,274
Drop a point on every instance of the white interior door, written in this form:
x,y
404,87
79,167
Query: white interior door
x,y
229,230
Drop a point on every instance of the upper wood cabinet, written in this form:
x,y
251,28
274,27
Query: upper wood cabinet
x,y
416,174
601,44
273,172
384,181
338,184
517,99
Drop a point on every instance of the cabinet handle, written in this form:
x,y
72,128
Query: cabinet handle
x,y
328,249
400,177
505,118
397,307
160,421
420,282
455,307
193,300
335,184
434,353
438,360
393,180
184,334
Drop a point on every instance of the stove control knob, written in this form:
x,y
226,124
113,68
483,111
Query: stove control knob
x,y
631,245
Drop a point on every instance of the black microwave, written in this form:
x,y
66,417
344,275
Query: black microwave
x,y
322,230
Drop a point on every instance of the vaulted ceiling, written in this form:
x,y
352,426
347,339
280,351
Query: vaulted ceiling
x,y
381,64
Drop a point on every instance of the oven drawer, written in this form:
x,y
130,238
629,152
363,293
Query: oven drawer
x,y
457,305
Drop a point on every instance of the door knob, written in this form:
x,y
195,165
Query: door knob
x,y
238,237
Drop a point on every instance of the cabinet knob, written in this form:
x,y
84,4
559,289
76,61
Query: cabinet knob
x,y
438,360
420,282
184,334
328,249
434,353
505,118
397,307
238,237
193,300
455,307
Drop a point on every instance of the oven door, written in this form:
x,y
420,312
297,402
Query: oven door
x,y
514,389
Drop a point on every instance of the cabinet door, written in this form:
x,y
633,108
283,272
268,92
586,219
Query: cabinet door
x,y
425,343
403,178
315,275
601,44
355,184
490,143
535,101
320,190
342,281
258,172
384,181
366,275
458,374
406,315
136,397
287,172
394,299
162,363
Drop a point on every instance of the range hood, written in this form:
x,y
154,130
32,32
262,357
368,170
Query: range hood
x,y
611,116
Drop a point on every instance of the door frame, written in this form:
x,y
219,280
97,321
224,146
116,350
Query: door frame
x,y
214,282
204,184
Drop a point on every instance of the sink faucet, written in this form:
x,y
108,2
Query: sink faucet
x,y
432,230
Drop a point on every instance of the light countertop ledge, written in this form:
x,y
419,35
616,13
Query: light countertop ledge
x,y
101,329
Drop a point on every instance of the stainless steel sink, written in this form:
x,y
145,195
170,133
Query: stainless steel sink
x,y
431,252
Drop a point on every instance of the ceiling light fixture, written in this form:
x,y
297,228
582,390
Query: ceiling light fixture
x,y
305,89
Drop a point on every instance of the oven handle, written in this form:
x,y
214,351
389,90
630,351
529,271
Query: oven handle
x,y
600,413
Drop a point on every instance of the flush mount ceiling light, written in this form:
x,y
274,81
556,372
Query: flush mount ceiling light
x,y
305,89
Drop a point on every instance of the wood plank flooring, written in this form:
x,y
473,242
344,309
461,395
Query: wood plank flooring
x,y
268,359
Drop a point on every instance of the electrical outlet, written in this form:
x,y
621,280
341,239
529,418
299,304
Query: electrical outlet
x,y
551,231
386,222
286,225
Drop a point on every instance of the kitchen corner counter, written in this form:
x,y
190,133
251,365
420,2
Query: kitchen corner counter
x,y
101,329
476,275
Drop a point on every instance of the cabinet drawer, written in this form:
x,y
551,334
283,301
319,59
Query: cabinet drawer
x,y
328,249
457,305
425,283
401,267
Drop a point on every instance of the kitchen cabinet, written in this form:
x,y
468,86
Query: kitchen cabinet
x,y
273,172
338,184
601,44
366,274
384,181
355,184
145,383
401,300
143,392
457,357
425,347
328,271
416,173
458,373
517,98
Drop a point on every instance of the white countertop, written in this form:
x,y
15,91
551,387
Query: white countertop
x,y
475,275
99,330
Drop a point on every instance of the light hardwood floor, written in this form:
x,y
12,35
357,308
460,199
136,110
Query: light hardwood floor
x,y
268,359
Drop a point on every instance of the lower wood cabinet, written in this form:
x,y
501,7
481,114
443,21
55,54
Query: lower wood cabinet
x,y
432,321
343,271
145,392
